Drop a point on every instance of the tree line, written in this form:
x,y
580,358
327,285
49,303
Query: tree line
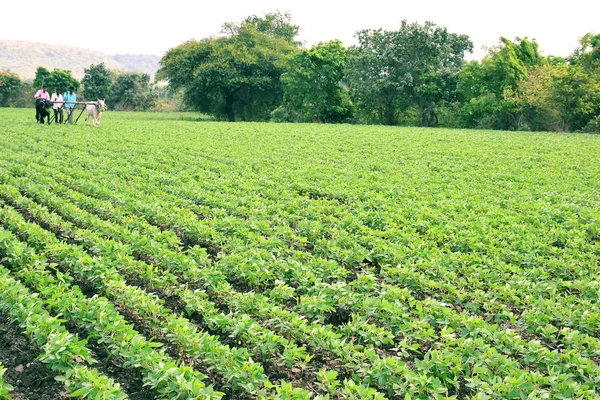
x,y
257,70
417,75
125,91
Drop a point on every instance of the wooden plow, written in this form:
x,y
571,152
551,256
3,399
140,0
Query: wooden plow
x,y
70,111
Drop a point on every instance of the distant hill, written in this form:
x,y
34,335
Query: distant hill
x,y
138,62
23,58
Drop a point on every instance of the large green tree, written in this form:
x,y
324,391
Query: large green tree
x,y
482,85
97,81
236,77
415,66
586,60
313,85
10,83
57,79
561,94
132,91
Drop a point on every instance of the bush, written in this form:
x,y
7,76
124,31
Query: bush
x,y
593,126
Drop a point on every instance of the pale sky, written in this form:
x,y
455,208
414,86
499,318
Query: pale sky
x,y
152,27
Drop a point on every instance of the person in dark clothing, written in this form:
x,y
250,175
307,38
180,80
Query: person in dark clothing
x,y
40,97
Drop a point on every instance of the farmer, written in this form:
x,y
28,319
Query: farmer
x,y
40,97
57,100
70,99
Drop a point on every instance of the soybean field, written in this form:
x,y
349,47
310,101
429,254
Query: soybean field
x,y
161,256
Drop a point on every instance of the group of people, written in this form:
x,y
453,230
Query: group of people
x,y
58,101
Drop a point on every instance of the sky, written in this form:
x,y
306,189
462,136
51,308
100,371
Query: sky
x,y
147,27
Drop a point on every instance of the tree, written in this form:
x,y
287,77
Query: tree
x,y
57,79
584,81
42,75
276,25
588,52
576,91
97,82
132,92
534,101
233,77
482,85
313,89
10,83
417,66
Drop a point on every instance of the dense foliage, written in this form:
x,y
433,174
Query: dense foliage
x,y
125,91
416,66
10,83
55,79
415,75
257,70
234,77
132,91
97,81
303,261
313,89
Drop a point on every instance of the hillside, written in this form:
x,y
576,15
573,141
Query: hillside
x,y
138,62
24,57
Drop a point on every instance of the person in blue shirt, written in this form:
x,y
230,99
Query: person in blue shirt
x,y
70,98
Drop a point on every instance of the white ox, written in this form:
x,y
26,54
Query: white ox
x,y
94,109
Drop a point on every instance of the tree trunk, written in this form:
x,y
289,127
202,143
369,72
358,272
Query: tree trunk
x,y
428,116
389,116
229,110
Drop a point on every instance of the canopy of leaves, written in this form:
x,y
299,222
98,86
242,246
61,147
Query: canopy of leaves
x,y
57,79
97,82
416,66
277,25
235,77
588,52
9,86
132,91
313,85
482,85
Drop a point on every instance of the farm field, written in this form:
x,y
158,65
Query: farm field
x,y
162,256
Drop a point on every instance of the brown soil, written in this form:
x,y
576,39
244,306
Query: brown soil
x,y
30,378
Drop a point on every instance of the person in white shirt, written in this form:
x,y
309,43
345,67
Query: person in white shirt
x,y
57,99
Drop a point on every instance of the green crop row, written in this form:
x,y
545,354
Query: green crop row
x,y
519,344
61,351
5,388
341,262
101,319
507,341
578,315
194,300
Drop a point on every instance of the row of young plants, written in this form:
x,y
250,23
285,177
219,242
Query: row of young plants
x,y
5,388
539,320
236,367
261,340
100,319
314,335
548,329
62,351
570,312
575,310
330,194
